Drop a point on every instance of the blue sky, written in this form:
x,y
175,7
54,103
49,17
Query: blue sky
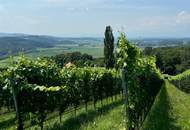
x,y
75,18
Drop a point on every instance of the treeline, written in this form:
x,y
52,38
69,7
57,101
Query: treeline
x,y
41,87
78,59
171,60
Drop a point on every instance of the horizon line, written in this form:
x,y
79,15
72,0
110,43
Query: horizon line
x,y
82,36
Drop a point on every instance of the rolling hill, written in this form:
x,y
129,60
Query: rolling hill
x,y
27,43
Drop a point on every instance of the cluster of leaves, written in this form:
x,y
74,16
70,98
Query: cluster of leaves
x,y
171,60
5,97
41,87
143,81
1,90
182,80
76,58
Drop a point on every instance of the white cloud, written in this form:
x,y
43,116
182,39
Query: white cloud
x,y
182,13
163,22
183,17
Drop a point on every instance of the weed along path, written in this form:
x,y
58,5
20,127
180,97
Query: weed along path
x,y
171,110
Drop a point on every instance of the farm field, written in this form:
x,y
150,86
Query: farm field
x,y
95,51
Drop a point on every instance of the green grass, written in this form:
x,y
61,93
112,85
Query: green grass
x,y
95,51
171,110
113,120
7,120
110,116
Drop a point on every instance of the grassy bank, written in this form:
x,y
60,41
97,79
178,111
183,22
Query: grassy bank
x,y
171,110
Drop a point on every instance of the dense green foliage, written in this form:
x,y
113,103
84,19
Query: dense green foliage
x,y
182,81
1,90
76,58
143,81
171,60
180,76
5,97
41,82
109,48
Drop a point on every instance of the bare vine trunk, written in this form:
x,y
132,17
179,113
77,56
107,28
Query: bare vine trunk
x,y
18,115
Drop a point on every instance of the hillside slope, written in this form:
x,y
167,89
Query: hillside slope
x,y
171,110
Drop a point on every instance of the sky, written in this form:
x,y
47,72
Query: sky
x,y
88,18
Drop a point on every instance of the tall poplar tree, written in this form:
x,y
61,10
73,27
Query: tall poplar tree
x,y
109,48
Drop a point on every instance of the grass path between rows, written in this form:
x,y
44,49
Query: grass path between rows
x,y
171,110
108,117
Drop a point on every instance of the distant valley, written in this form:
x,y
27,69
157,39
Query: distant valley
x,y
15,43
35,45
